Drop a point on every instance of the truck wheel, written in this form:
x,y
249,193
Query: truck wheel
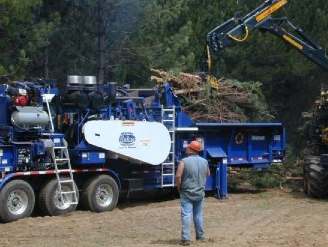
x,y
17,201
316,177
306,165
305,184
100,194
50,202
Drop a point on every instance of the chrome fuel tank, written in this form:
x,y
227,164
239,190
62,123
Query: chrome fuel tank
x,y
30,117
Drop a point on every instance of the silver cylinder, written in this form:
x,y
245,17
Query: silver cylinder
x,y
89,80
30,117
75,79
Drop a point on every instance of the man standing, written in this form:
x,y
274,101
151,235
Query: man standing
x,y
190,180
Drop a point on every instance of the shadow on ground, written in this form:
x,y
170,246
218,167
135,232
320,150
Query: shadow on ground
x,y
166,242
143,198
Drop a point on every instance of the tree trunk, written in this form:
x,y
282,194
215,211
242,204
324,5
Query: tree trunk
x,y
46,63
101,41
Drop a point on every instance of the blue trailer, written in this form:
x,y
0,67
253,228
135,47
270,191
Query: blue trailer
x,y
244,145
46,152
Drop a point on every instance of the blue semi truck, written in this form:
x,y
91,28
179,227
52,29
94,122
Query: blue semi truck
x,y
88,143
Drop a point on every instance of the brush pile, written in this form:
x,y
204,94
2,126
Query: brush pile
x,y
206,98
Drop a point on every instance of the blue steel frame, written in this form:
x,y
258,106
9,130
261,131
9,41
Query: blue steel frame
x,y
258,149
258,144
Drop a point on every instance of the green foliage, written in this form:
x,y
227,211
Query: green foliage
x,y
257,109
164,35
278,174
53,38
265,179
172,34
272,177
22,36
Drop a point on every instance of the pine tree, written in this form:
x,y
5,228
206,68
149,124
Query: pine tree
x,y
21,36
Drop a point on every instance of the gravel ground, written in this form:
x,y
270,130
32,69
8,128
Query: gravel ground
x,y
270,218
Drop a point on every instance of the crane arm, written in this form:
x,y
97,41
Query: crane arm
x,y
237,29
297,39
228,32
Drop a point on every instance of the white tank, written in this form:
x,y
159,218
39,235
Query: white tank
x,y
30,117
147,142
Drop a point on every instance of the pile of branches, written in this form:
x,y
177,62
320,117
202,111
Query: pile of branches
x,y
206,98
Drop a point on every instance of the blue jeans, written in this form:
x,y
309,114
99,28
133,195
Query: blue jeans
x,y
188,209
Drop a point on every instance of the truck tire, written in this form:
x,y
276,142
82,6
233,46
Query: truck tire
x,y
17,201
100,194
315,177
305,181
306,165
50,202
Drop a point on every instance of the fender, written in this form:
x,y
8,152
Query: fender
x,y
10,176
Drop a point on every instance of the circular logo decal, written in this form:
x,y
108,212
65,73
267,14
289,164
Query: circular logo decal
x,y
127,139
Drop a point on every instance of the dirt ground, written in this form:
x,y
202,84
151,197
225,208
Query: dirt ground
x,y
270,218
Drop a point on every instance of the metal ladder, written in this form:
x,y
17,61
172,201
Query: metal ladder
x,y
64,174
168,167
62,162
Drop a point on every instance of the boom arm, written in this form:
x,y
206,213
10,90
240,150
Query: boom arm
x,y
232,31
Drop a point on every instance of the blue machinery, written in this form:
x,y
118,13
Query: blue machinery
x,y
26,164
26,132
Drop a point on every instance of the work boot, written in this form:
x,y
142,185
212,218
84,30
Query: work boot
x,y
201,239
185,242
